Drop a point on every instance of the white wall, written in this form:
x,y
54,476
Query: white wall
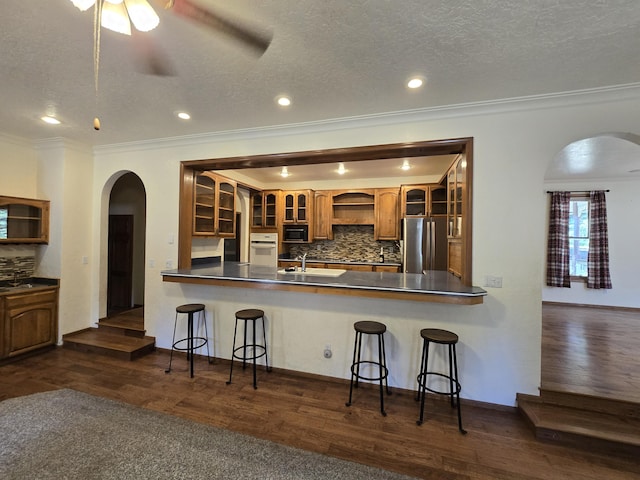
x,y
499,340
18,168
18,178
65,173
623,208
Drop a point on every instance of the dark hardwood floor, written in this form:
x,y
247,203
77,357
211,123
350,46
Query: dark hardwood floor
x,y
310,413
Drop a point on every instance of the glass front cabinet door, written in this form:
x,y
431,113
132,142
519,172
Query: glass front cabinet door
x,y
214,206
24,220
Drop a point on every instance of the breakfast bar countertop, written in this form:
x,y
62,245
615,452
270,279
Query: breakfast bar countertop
x,y
434,286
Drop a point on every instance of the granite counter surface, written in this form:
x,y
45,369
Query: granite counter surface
x,y
435,283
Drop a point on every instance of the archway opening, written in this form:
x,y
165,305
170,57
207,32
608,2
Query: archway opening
x,y
126,245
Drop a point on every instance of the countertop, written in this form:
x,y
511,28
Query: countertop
x,y
434,286
26,285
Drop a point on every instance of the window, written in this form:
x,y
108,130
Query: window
x,y
4,215
578,240
578,236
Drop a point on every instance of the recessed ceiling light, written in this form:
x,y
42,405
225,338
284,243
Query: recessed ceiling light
x,y
415,82
283,101
184,115
284,172
405,165
341,170
50,120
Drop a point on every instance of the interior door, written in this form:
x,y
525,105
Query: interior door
x,y
120,269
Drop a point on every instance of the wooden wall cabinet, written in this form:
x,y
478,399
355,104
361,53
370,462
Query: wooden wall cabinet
x,y
353,207
423,200
29,321
214,213
322,228
297,206
457,199
387,221
24,220
265,210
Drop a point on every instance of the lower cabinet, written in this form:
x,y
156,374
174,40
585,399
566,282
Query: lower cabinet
x,y
29,321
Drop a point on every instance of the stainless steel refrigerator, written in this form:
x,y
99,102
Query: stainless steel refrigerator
x,y
424,244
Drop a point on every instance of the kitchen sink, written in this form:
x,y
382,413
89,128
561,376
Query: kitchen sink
x,y
318,272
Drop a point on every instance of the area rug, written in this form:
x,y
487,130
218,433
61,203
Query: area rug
x,y
65,434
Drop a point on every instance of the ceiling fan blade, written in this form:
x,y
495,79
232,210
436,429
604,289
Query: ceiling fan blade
x,y
151,59
258,42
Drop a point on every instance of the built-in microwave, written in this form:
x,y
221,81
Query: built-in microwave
x,y
295,233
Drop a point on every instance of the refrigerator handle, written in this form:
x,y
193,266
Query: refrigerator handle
x,y
432,244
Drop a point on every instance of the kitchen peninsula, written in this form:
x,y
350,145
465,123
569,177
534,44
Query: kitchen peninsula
x,y
436,286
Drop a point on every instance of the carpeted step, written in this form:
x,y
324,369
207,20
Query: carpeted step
x,y
95,340
580,427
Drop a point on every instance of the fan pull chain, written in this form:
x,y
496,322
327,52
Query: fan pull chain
x,y
97,15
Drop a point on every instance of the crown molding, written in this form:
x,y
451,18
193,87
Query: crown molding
x,y
533,102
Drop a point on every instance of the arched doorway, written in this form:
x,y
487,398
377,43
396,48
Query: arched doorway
x,y
587,333
126,244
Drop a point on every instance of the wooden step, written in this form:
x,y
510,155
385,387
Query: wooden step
x,y
130,323
122,326
581,427
95,340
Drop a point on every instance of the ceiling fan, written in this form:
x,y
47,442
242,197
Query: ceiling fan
x,y
118,15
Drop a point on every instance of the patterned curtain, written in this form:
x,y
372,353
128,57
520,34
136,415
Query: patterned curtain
x,y
598,260
558,241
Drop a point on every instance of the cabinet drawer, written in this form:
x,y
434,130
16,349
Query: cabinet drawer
x,y
28,299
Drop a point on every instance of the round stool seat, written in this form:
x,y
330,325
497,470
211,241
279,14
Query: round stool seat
x,y
190,308
436,335
249,314
370,327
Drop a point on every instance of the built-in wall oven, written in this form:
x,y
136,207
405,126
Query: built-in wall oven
x,y
263,252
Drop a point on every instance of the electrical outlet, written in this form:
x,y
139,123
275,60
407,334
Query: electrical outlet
x,y
152,263
169,264
492,281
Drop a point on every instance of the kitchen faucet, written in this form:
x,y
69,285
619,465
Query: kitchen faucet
x,y
304,262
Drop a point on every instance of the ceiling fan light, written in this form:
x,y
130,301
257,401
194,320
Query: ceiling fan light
x,y
83,5
114,17
142,15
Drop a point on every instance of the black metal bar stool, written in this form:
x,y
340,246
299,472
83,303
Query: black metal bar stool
x,y
192,342
249,351
369,328
450,339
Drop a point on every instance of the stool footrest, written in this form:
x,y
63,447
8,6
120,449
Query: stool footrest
x,y
202,340
258,351
422,378
356,365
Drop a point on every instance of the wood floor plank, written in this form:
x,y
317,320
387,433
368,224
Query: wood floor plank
x,y
309,413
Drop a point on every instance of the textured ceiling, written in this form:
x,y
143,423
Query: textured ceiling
x,y
335,58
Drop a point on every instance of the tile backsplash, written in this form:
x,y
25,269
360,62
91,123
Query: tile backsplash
x,y
350,242
24,266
